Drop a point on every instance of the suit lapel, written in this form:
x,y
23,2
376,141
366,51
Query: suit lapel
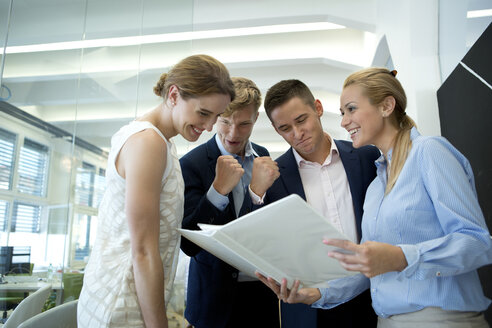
x,y
289,173
351,164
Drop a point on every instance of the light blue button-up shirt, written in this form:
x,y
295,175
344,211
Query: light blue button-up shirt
x,y
433,214
220,201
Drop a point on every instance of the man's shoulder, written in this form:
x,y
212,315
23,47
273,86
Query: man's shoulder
x,y
286,158
365,151
262,151
200,151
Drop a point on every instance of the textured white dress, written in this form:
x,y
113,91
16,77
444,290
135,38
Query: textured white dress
x,y
108,297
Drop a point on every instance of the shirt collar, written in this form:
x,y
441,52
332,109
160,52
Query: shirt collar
x,y
414,133
248,151
301,161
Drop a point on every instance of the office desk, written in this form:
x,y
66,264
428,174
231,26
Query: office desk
x,y
27,286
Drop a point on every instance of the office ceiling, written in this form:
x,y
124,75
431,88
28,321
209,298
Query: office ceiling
x,y
102,88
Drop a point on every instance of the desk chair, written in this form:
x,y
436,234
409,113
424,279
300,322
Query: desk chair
x,y
61,316
28,308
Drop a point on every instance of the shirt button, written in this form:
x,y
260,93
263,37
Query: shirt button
x,y
373,290
438,274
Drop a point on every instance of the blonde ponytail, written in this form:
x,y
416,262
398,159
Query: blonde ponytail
x,y
402,145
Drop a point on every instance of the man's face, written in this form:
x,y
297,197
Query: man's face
x,y
299,124
234,130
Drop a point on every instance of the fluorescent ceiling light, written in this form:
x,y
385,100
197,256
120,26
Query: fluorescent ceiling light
x,y
479,13
174,37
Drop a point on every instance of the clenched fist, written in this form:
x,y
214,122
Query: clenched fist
x,y
265,172
228,172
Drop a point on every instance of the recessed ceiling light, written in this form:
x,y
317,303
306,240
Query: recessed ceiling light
x,y
479,13
173,37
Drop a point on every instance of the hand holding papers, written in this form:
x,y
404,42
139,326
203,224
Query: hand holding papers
x,y
281,240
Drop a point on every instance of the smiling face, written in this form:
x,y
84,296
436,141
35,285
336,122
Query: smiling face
x,y
299,124
234,130
194,115
367,124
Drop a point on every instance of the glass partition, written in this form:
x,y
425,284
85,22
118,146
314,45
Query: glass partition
x,y
64,103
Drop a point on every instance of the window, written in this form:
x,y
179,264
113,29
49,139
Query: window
x,y
25,218
4,212
33,165
84,232
89,186
89,189
99,187
84,185
7,149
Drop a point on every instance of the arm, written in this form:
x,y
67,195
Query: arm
x,y
466,243
339,291
198,208
461,243
370,258
199,183
141,162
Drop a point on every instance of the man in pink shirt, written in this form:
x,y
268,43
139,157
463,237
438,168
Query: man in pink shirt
x,y
329,174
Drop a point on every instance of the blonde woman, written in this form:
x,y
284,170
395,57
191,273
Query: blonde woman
x,y
130,273
423,233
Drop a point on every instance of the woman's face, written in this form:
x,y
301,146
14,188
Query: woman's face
x,y
194,115
363,121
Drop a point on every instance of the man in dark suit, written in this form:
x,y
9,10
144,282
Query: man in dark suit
x,y
331,176
216,176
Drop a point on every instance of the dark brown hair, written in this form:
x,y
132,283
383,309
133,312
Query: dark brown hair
x,y
196,76
285,90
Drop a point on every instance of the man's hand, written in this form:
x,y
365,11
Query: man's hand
x,y
228,173
293,295
265,172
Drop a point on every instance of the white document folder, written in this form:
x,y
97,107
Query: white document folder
x,y
281,240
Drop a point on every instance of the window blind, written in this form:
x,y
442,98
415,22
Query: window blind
x,y
4,212
7,151
25,218
33,164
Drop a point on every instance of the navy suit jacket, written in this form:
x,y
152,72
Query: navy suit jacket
x,y
361,171
212,284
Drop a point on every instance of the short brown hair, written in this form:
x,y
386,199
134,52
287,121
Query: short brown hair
x,y
195,76
247,93
285,90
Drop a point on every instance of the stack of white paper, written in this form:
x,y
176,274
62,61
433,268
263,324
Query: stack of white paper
x,y
281,240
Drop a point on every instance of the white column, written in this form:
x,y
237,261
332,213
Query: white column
x,y
411,29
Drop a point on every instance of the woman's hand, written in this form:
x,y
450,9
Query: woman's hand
x,y
370,258
293,295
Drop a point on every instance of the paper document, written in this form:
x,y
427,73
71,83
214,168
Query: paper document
x,y
281,240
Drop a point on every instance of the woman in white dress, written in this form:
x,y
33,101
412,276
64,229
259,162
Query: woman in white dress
x,y
131,269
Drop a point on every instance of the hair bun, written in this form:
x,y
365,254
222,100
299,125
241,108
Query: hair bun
x,y
159,87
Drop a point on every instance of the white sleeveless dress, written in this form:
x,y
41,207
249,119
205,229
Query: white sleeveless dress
x,y
108,297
